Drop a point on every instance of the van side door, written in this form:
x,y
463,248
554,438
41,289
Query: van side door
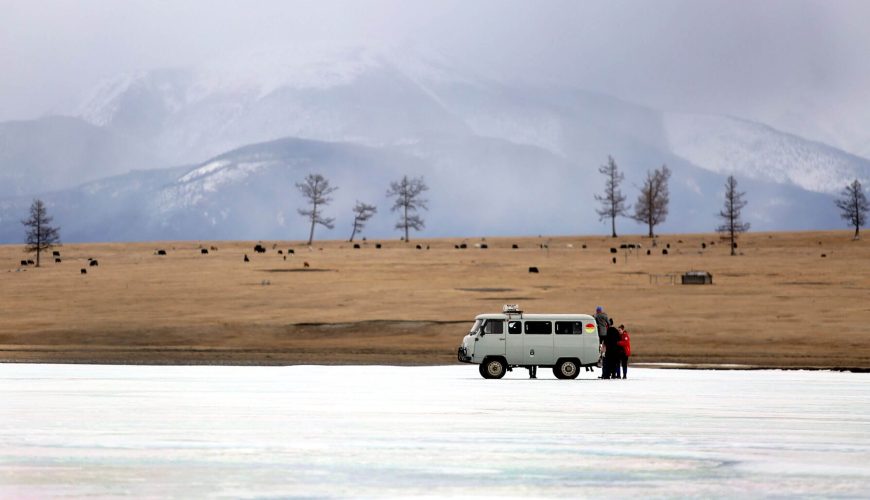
x,y
514,341
538,342
491,342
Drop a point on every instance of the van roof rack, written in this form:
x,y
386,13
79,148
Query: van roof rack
x,y
511,309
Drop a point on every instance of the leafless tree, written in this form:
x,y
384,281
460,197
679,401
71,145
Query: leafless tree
x,y
316,190
361,213
652,204
41,236
613,201
407,193
853,205
730,213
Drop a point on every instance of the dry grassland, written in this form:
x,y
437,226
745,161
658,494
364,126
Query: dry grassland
x,y
778,304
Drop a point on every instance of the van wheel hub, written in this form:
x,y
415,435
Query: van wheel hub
x,y
566,369
494,368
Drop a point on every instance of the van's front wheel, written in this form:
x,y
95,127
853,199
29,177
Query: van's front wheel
x,y
566,369
493,368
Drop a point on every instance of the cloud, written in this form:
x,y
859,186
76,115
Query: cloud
x,y
755,59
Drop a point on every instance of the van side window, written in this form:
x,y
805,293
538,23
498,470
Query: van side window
x,y
515,327
539,327
569,328
494,326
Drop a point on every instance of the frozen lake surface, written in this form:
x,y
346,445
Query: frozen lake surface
x,y
194,431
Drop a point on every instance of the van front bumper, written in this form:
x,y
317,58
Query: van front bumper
x,y
462,355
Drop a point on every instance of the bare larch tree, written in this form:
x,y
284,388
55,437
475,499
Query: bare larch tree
x,y
407,193
613,201
652,204
361,213
730,213
316,190
853,205
41,236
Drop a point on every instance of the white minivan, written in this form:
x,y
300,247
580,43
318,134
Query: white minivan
x,y
501,342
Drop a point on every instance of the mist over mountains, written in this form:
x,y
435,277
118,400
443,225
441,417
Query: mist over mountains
x,y
213,152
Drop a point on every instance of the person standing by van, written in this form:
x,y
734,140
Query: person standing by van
x,y
625,345
612,352
603,322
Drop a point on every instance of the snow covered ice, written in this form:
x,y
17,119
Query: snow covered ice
x,y
193,431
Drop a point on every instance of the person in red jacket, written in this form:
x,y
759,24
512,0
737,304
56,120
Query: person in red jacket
x,y
625,344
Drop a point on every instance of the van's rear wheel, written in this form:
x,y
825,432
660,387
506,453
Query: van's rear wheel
x,y
493,368
566,369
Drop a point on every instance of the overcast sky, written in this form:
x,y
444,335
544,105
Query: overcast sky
x,y
757,59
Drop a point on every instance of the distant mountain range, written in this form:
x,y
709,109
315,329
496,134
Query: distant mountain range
x,y
499,157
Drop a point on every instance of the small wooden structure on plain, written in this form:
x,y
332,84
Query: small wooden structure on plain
x,y
667,279
697,278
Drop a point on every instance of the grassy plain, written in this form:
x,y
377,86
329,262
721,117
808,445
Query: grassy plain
x,y
779,303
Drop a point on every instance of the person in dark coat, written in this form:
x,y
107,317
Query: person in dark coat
x,y
603,322
612,352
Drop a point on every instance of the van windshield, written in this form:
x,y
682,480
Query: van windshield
x,y
475,327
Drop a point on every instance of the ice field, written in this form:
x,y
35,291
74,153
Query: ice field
x,y
194,431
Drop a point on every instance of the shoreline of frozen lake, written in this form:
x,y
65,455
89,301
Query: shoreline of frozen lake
x,y
192,431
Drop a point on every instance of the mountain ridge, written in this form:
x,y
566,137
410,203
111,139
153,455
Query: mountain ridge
x,y
496,154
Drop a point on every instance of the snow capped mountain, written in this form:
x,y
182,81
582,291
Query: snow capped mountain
x,y
499,157
478,186
375,95
751,150
361,94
